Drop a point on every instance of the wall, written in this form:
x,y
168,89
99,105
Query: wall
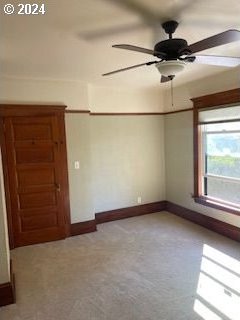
x,y
182,94
179,166
4,248
110,99
70,93
78,149
121,158
77,95
127,160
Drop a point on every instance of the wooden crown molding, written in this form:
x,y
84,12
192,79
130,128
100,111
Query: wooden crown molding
x,y
177,111
77,111
126,113
26,109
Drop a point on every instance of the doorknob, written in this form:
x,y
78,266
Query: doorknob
x,y
57,185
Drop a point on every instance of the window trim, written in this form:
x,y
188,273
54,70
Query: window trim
x,y
218,100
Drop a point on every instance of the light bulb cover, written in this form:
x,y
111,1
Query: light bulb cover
x,y
170,67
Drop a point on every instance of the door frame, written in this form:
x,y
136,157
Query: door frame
x,y
21,110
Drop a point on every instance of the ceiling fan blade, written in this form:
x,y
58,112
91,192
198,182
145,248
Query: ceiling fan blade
x,y
131,67
139,49
216,40
166,79
218,60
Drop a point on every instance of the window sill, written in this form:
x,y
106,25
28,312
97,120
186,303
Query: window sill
x,y
213,203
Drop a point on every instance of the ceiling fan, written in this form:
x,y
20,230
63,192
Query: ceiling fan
x,y
175,53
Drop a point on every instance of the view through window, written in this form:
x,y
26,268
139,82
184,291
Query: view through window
x,y
220,161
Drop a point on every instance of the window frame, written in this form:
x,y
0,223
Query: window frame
x,y
216,100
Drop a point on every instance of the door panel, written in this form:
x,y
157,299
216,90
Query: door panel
x,y
37,175
34,223
34,161
37,130
36,200
25,154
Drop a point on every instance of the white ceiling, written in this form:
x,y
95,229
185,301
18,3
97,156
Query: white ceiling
x,y
55,45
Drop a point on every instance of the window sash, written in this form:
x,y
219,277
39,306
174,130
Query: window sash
x,y
203,160
223,178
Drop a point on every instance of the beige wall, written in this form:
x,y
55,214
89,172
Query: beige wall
x,y
70,93
77,95
111,99
121,158
179,166
127,160
182,94
78,149
4,248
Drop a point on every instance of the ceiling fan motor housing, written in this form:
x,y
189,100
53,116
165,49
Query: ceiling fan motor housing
x,y
173,48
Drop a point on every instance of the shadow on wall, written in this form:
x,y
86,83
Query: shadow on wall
x,y
218,291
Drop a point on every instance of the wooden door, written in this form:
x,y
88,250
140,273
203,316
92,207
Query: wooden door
x,y
35,156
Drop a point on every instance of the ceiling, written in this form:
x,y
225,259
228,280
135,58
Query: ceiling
x,y
73,40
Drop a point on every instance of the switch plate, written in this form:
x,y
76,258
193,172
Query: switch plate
x,y
76,165
139,200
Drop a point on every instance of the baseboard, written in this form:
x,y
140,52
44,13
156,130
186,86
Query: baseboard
x,y
123,213
83,227
7,290
210,223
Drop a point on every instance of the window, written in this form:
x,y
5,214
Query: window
x,y
217,153
220,161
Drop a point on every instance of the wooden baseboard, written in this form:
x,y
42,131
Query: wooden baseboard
x,y
7,290
123,213
215,225
83,227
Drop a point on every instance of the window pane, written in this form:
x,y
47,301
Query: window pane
x,y
222,155
223,190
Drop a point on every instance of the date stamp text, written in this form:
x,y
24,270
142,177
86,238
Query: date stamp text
x,y
24,9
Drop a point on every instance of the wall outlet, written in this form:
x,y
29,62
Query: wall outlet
x,y
139,200
76,165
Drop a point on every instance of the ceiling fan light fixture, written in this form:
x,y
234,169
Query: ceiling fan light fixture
x,y
170,67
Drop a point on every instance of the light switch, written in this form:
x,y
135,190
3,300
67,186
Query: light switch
x,y
76,165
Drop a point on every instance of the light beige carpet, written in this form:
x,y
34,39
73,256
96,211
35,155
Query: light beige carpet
x,y
153,267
